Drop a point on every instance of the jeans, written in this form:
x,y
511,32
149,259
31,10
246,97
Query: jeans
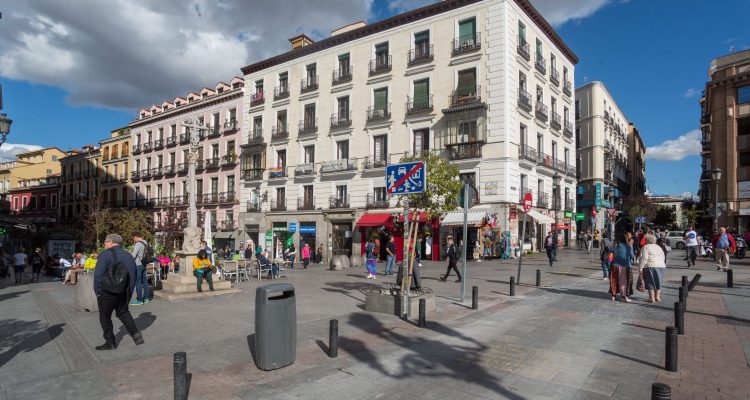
x,y
389,264
692,254
605,268
199,280
18,273
291,261
141,283
550,255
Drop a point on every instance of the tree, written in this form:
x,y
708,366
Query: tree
x,y
101,220
128,222
692,211
97,216
443,189
170,229
666,216
636,205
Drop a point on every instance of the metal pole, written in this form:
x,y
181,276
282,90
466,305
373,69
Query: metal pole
x,y
466,242
716,205
405,288
422,311
679,317
333,339
180,375
474,297
520,242
670,356
512,286
555,236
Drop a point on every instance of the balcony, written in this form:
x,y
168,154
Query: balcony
x,y
147,147
145,173
568,129
466,43
182,168
554,77
185,138
466,95
306,169
420,104
421,53
257,99
523,49
567,88
277,172
228,225
229,160
522,192
307,203
705,119
569,204
279,132
570,170
158,144
228,198
252,206
211,198
337,202
169,170
542,111
382,63
214,131
374,163
278,204
135,175
542,200
231,126
252,174
558,165
136,149
555,122
338,166
528,153
211,163
377,113
524,100
281,92
171,141
464,151
255,137
373,202
341,75
308,126
540,64
310,84
156,172
706,145
341,119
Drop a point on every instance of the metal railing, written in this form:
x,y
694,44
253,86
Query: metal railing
x,y
168,169
422,52
523,49
252,174
555,121
374,163
135,175
281,91
540,63
231,126
171,141
136,148
465,151
542,111
568,129
214,131
341,75
466,95
184,138
567,88
542,200
309,84
277,172
341,119
419,104
380,64
252,206
278,204
336,202
524,100
338,166
526,152
308,125
305,169
554,76
182,168
306,203
228,159
211,198
382,111
522,192
257,98
213,162
466,43
372,202
280,131
255,136
228,197
147,146
146,173
568,203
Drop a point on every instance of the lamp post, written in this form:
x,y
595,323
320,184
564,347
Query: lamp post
x,y
611,191
716,175
5,122
556,203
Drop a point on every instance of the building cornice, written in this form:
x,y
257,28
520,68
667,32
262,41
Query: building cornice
x,y
190,107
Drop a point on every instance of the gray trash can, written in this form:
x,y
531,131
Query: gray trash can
x,y
275,326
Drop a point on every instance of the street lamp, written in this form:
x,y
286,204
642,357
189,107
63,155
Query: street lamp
x,y
4,127
611,191
555,192
716,175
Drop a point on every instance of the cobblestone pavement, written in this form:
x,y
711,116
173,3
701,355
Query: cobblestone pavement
x,y
564,340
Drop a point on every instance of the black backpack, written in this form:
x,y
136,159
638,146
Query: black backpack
x,y
148,254
116,279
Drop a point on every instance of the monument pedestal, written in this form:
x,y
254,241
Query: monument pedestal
x,y
182,285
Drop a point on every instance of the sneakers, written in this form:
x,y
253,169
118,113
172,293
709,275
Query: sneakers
x,y
107,346
145,301
136,303
138,339
370,276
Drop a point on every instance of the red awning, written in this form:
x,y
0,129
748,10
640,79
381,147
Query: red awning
x,y
375,220
422,217
561,227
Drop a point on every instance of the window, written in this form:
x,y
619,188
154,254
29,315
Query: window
x,y
467,29
230,148
381,55
422,45
232,114
380,149
214,185
524,184
552,62
230,183
743,126
343,107
342,150
173,131
49,171
380,194
309,122
567,157
421,141
53,201
522,81
308,195
257,125
554,151
381,101
283,82
280,197
341,192
523,133
160,162
745,159
743,94
158,191
215,150
309,154
578,110
539,94
259,87
421,94
467,131
281,158
172,158
565,74
32,203
54,158
539,144
467,81
553,104
199,187
521,32
281,121
171,189
538,48
468,179
344,65
311,70
215,121
565,114
161,137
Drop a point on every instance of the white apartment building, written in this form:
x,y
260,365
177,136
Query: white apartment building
x,y
602,137
159,158
452,78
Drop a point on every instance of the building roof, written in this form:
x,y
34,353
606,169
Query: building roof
x,y
437,8
28,153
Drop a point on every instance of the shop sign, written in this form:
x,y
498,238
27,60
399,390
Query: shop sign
x,y
580,217
568,214
292,227
598,197
513,214
307,229
65,248
280,229
490,188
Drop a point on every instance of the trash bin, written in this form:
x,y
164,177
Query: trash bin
x,y
275,326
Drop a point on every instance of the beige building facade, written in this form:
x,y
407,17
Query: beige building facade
x,y
29,165
80,179
636,173
116,190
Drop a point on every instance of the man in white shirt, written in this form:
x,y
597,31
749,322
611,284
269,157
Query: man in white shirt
x,y
19,261
691,244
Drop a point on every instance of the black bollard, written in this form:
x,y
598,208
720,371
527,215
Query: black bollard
x,y
670,351
684,280
180,376
694,282
683,295
333,339
730,278
538,277
679,317
661,391
474,297
512,285
422,311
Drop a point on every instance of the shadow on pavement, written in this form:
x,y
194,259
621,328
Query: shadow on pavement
x,y
739,321
342,291
24,336
143,321
650,364
580,292
427,357
251,345
11,295
643,326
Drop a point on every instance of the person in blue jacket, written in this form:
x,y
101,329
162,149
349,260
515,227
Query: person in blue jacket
x,y
619,271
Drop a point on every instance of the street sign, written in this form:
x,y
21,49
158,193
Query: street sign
x,y
527,200
612,213
593,220
292,227
568,214
406,178
580,217
640,219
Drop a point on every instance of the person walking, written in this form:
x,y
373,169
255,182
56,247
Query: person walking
x,y
202,270
372,261
723,246
550,246
114,257
305,255
291,253
662,243
691,243
390,251
588,239
606,254
452,255
652,268
619,271
37,262
20,261
141,280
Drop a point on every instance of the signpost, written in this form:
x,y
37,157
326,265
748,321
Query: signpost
x,y
527,201
640,220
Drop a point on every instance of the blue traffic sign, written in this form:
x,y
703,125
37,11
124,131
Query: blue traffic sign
x,y
406,178
640,220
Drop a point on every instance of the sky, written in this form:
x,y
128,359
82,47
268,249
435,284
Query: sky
x,y
73,71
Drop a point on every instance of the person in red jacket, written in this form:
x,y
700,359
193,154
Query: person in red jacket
x,y
723,246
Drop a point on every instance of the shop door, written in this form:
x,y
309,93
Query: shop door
x,y
342,238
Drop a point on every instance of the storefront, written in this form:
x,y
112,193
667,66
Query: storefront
x,y
378,227
281,239
341,238
452,226
428,229
307,232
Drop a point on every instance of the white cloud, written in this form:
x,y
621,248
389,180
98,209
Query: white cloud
x,y
690,93
686,145
8,151
400,6
558,12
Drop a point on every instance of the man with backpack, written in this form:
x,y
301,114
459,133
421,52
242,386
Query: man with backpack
x,y
114,281
143,254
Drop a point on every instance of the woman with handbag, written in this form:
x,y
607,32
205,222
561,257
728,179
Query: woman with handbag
x,y
652,269
202,270
619,272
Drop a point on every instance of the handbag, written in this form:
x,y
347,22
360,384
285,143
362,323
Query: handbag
x,y
639,284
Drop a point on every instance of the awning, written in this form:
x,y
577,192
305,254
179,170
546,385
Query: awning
x,y
375,220
456,218
540,218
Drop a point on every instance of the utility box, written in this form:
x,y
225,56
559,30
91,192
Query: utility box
x,y
275,326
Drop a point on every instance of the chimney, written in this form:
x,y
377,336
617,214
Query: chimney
x,y
350,27
300,40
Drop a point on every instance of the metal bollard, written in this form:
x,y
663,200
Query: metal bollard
x,y
730,278
422,311
661,391
683,295
333,339
474,297
538,277
180,376
679,317
670,351
512,285
694,282
684,280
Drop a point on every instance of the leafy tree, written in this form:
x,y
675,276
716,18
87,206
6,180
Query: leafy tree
x,y
443,189
97,216
101,220
127,222
692,211
665,215
636,205
170,230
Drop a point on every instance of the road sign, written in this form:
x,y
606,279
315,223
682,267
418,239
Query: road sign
x,y
580,217
612,213
593,220
640,219
527,200
406,178
568,214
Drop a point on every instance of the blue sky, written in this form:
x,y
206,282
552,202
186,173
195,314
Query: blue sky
x,y
652,55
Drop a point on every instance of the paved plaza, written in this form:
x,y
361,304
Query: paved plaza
x,y
564,340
